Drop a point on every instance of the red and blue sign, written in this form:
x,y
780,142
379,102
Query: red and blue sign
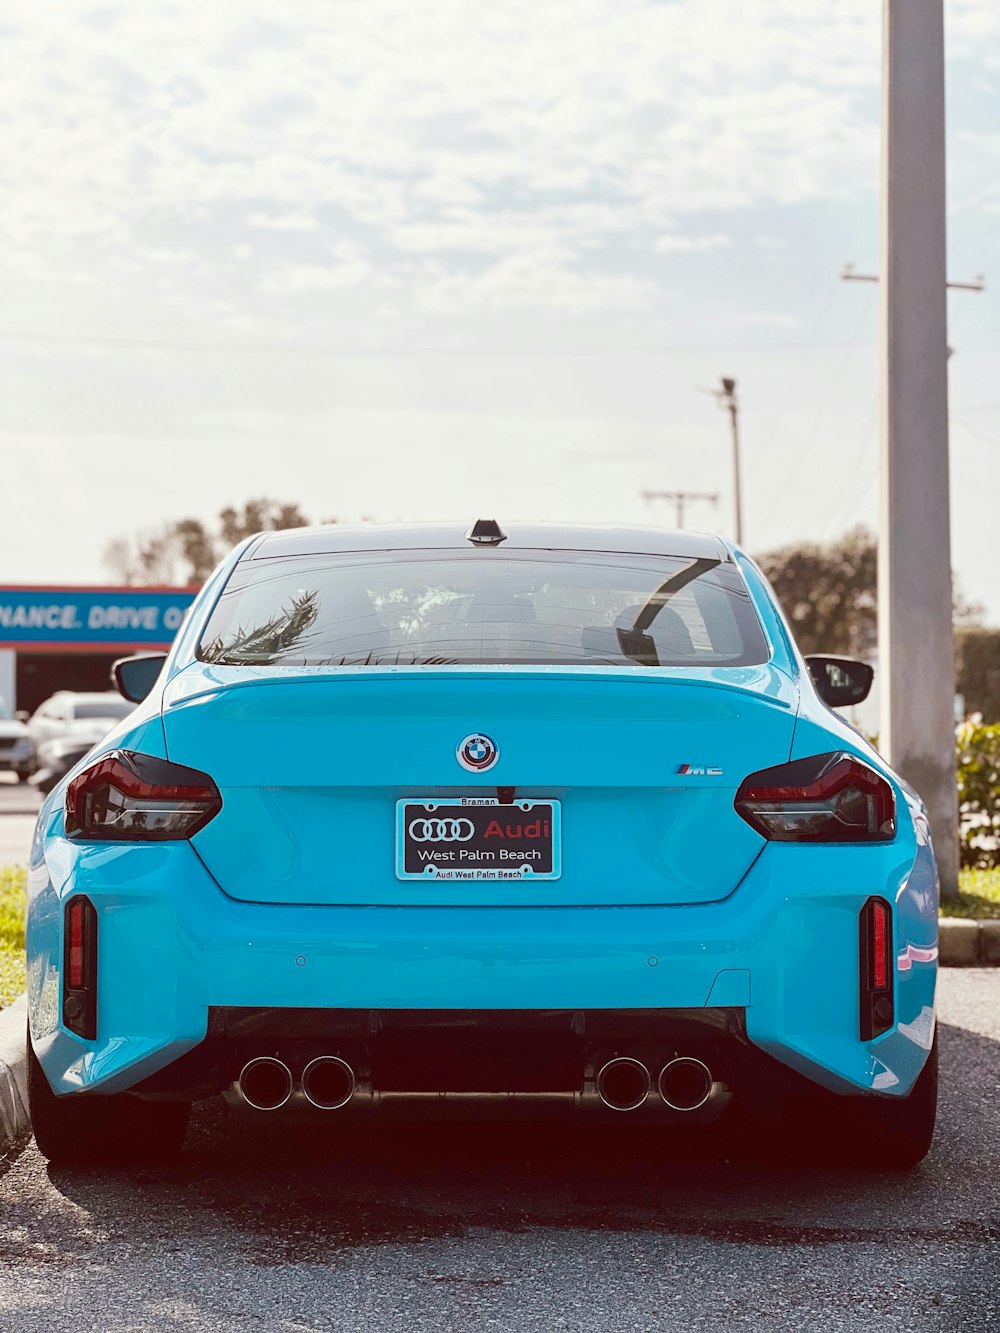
x,y
88,619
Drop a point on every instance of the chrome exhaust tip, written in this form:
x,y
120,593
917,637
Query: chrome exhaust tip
x,y
328,1082
685,1084
623,1083
265,1083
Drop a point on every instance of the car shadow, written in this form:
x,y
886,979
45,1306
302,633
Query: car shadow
x,y
296,1194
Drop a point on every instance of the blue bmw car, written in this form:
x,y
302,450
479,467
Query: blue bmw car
x,y
544,813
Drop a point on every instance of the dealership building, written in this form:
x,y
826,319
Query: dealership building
x,y
66,638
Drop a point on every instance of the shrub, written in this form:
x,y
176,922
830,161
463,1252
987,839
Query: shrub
x,y
979,792
977,671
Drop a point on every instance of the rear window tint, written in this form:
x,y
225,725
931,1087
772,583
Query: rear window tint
x,y
440,608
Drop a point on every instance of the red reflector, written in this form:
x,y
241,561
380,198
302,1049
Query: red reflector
x,y
79,969
880,963
876,969
76,978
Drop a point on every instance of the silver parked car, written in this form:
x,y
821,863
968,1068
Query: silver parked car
x,y
17,751
68,715
66,726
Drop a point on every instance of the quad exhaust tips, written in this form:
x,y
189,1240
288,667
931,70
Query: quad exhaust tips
x,y
265,1083
685,1084
328,1083
623,1083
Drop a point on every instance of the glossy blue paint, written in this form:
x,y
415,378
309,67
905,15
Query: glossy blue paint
x,y
300,864
311,761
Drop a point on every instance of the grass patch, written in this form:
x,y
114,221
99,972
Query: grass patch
x,y
12,973
978,895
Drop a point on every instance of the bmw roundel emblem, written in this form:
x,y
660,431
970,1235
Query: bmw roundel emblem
x,y
477,752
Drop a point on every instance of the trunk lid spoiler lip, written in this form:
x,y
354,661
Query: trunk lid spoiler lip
x,y
766,682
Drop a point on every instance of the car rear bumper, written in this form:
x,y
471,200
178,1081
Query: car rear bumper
x,y
781,951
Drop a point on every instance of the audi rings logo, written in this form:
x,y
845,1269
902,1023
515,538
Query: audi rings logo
x,y
477,753
441,830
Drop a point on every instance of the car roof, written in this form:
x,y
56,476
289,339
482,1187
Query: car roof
x,y
95,695
337,538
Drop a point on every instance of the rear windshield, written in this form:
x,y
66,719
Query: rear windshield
x,y
484,607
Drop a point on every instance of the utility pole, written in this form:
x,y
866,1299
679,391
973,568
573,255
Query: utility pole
x,y
916,654
680,499
726,396
728,399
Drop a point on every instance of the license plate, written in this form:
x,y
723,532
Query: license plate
x,y
477,838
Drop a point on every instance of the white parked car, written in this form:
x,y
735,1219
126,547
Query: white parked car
x,y
17,751
68,715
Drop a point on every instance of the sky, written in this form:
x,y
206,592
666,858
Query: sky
x,y
446,260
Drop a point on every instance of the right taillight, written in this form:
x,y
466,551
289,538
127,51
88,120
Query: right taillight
x,y
825,798
130,797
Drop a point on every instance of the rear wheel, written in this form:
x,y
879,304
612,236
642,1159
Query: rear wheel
x,y
115,1130
888,1133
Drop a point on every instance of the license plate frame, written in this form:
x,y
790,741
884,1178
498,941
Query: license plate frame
x,y
452,842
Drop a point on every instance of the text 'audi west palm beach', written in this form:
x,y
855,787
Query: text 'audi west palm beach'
x,y
548,813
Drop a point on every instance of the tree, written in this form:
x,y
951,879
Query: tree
x,y
977,671
830,593
187,550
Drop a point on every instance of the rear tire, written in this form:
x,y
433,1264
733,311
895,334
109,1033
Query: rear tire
x,y
878,1133
117,1130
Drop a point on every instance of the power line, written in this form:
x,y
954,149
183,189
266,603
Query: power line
x,y
808,348
980,435
865,476
299,349
805,450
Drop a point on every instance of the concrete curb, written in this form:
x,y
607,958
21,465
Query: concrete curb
x,y
964,943
14,1119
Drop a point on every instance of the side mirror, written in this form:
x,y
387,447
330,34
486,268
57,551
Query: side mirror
x,y
134,677
840,681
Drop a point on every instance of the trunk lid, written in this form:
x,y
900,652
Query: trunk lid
x,y
311,763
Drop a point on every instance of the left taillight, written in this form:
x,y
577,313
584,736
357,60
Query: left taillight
x,y
825,798
126,796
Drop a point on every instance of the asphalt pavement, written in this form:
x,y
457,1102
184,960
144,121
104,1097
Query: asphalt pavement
x,y
521,1227
19,805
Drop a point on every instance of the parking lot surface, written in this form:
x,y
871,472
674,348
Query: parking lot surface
x,y
504,1226
19,805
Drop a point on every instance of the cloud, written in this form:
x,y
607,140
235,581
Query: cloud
x,y
540,280
533,152
299,222
672,244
